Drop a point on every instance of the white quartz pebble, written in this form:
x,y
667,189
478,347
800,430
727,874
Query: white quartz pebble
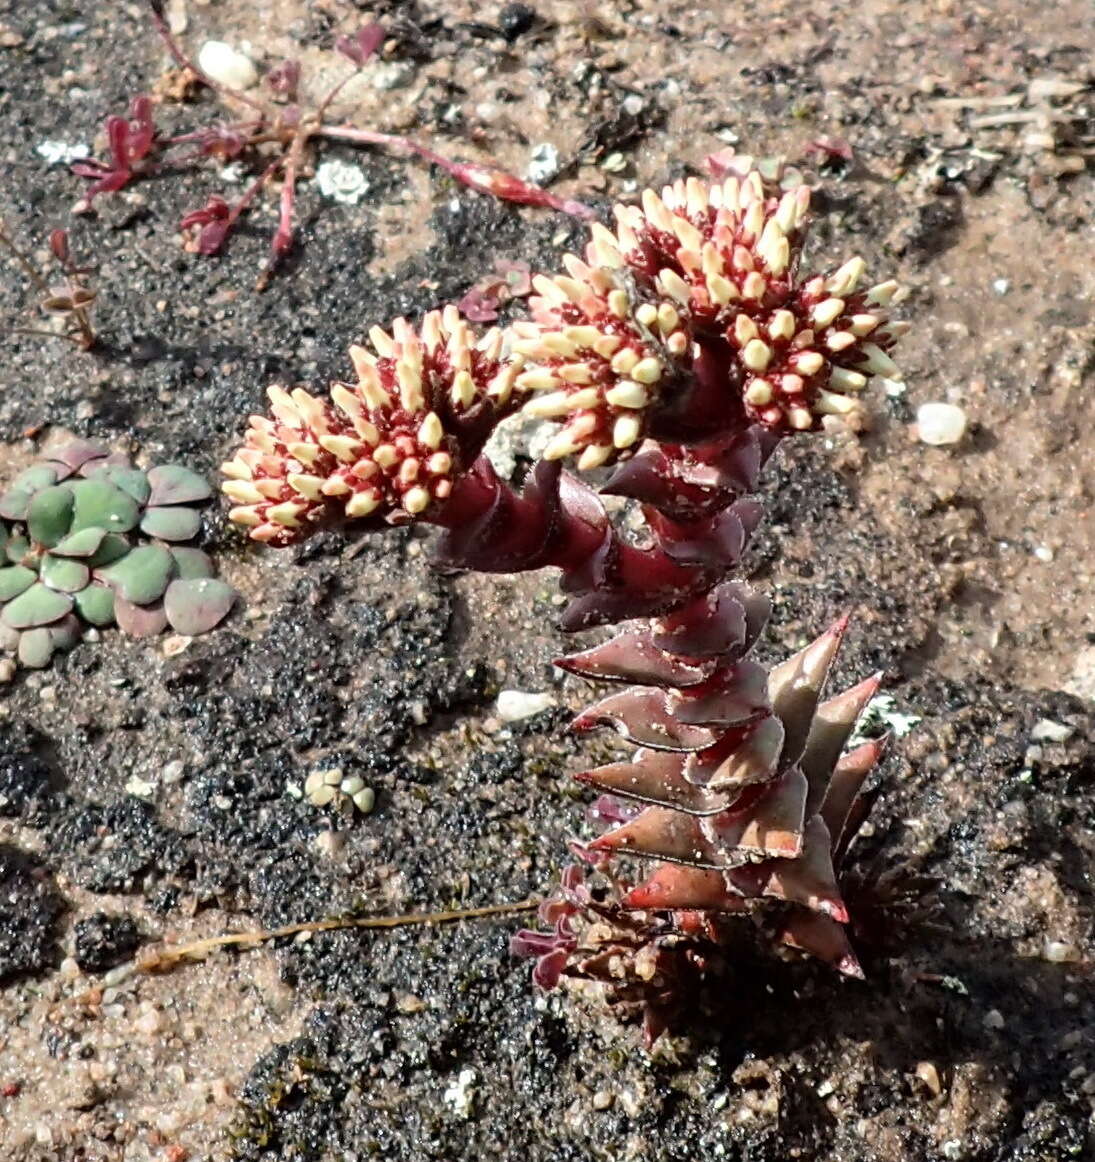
x,y
227,65
940,423
516,704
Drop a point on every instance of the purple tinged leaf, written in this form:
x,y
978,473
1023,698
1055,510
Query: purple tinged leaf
x,y
360,47
176,484
65,633
140,620
78,453
549,969
197,605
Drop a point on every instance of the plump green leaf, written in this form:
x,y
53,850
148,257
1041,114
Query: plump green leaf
x,y
140,620
35,648
175,484
35,477
85,543
49,514
196,606
191,563
17,548
14,504
171,524
37,605
100,504
64,574
15,579
142,575
112,548
130,480
96,604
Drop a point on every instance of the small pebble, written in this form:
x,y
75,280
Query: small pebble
x,y
227,65
175,644
364,800
994,1019
1046,730
929,1075
330,843
602,1099
514,705
543,163
173,772
1059,952
940,423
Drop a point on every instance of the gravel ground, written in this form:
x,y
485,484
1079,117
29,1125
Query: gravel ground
x,y
968,569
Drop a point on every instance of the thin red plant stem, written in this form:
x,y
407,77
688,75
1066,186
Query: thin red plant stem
x,y
184,62
468,173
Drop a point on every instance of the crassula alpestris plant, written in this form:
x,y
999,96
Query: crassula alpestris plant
x,y
675,355
87,539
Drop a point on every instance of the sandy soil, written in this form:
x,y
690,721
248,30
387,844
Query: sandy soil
x,y
969,570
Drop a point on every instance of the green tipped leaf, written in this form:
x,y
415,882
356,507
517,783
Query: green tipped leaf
x,y
96,604
35,648
15,579
100,504
175,484
16,549
196,606
171,524
49,514
85,543
36,606
36,477
191,563
112,548
132,481
14,504
142,575
140,620
63,574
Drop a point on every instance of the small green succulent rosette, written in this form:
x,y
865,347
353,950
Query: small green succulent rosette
x,y
88,539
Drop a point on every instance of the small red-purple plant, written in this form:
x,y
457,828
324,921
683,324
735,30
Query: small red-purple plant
x,y
257,125
679,352
70,301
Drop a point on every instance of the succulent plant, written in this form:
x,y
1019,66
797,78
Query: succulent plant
x,y
88,539
740,795
678,353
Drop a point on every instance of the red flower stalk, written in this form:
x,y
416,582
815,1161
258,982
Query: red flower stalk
x,y
680,351
389,446
284,133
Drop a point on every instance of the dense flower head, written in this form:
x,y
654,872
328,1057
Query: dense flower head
x,y
699,290
388,446
604,359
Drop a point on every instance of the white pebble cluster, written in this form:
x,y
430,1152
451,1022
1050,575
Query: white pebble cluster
x,y
322,788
